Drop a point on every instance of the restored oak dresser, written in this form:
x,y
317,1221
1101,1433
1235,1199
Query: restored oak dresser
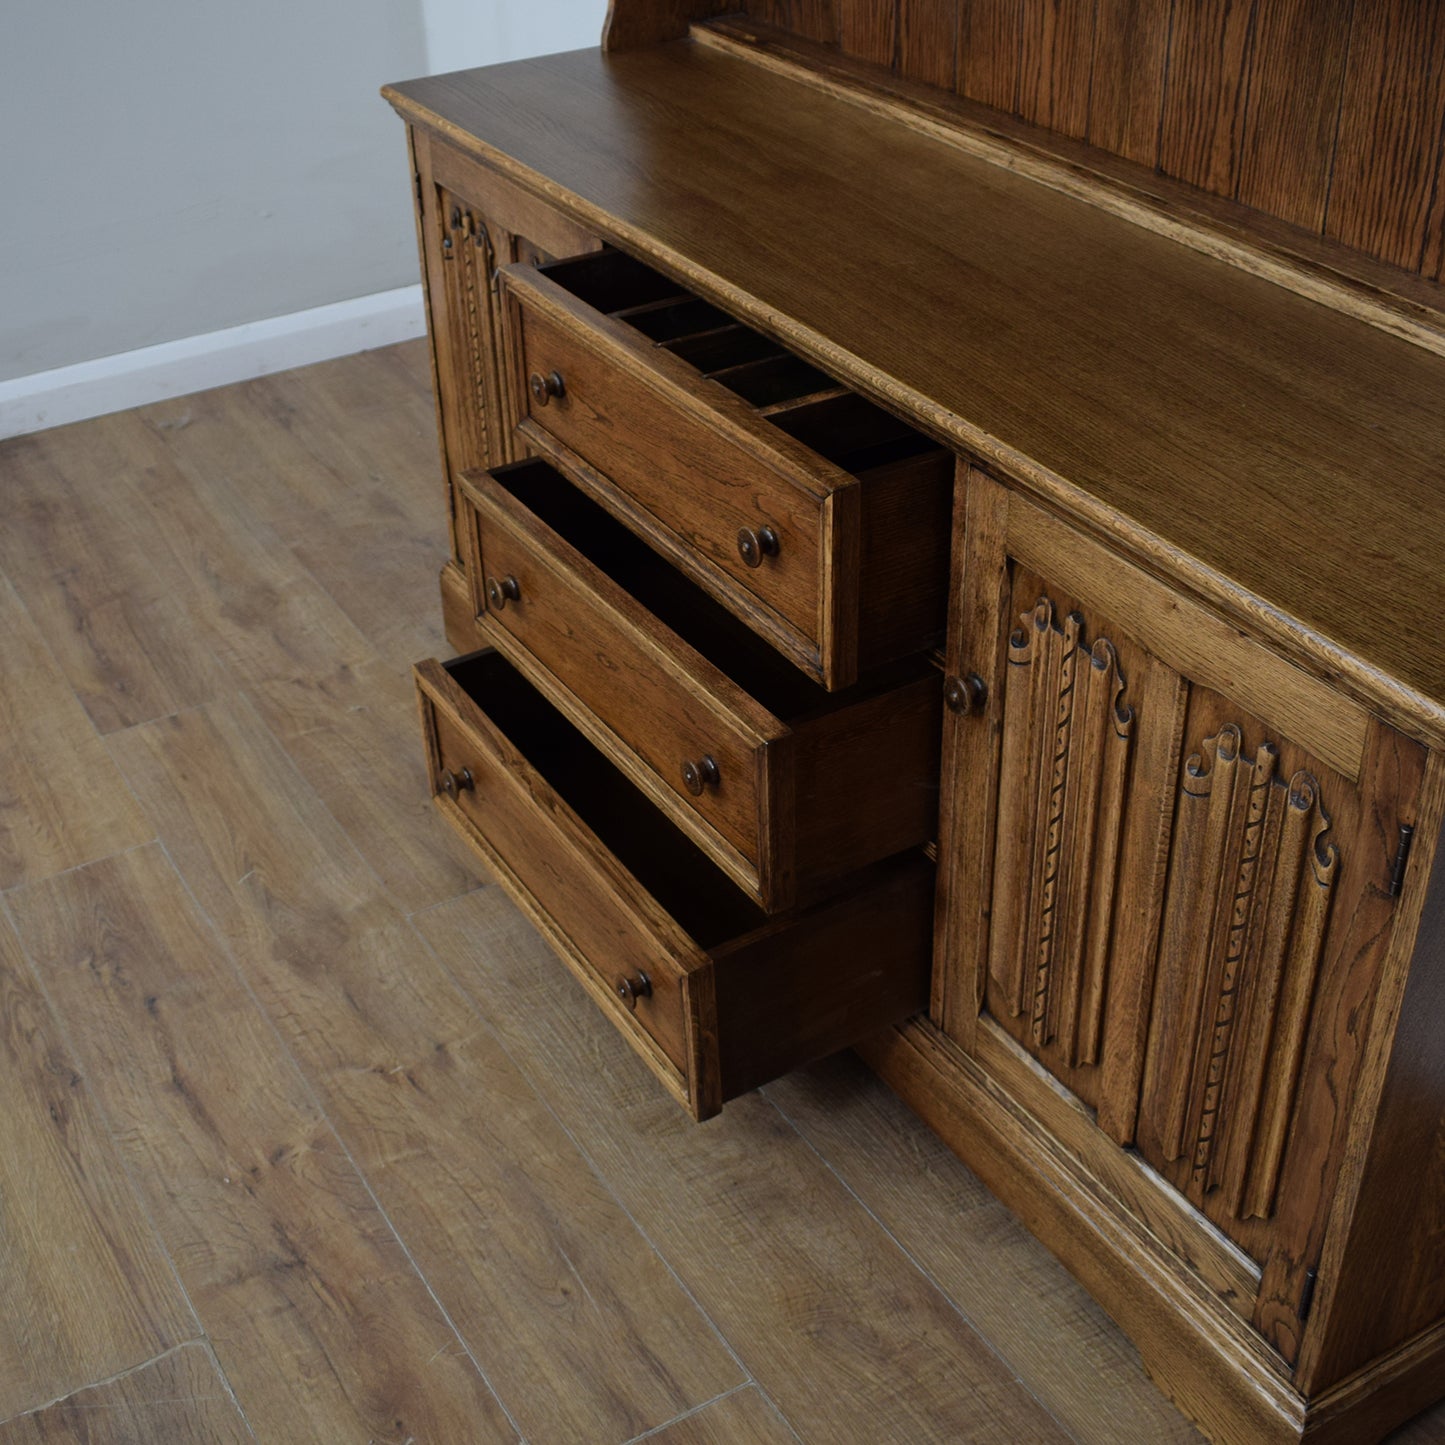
x,y
948,558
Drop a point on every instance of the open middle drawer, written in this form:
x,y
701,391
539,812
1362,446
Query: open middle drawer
x,y
816,517
714,995
786,786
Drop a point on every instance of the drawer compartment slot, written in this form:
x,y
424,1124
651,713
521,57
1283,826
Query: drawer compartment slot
x,y
732,997
661,676
686,425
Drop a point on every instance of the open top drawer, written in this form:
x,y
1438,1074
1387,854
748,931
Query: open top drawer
x,y
817,518
786,786
715,996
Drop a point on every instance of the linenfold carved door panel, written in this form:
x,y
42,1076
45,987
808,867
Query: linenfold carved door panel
x,y
1185,844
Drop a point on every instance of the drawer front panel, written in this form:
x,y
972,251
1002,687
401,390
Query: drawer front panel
x,y
656,439
592,908
648,688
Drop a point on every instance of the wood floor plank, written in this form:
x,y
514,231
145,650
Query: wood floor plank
x,y
62,802
827,1313
104,589
178,1399
85,1288
1060,1343
321,1323
353,734
340,462
742,1418
578,1323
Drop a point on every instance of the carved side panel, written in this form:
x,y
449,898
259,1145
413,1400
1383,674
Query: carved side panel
x,y
1252,877
1067,735
470,404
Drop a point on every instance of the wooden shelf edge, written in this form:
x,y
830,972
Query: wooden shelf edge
x,y
1372,291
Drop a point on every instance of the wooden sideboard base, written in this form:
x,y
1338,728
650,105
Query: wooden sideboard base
x,y
1196,1349
458,619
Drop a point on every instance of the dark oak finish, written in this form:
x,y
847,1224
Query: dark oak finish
x,y
715,996
802,785
1180,952
1123,322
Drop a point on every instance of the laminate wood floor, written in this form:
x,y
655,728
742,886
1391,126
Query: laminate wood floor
x,y
304,1135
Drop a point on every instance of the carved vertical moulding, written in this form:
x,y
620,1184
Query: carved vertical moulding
x,y
1067,732
1251,879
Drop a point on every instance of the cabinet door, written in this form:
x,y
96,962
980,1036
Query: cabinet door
x,y
1166,870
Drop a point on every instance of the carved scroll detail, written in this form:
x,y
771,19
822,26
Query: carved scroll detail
x,y
1066,739
1248,902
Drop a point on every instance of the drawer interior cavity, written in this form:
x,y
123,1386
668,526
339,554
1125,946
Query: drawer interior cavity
x,y
704,624
658,854
790,392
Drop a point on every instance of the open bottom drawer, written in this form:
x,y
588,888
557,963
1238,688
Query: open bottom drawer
x,y
716,996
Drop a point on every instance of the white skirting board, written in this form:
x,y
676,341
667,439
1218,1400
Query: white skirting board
x,y
197,363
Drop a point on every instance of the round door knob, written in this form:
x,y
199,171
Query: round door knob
x,y
702,774
965,694
754,546
455,784
630,989
499,593
544,388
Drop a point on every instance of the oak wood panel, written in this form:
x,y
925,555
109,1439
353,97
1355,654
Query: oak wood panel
x,y
1057,1340
180,1398
87,1288
62,802
869,30
987,67
810,1291
1296,84
1383,1280
1206,96
546,1277
315,1311
1388,153
1119,320
745,1417
1130,63
928,41
1055,64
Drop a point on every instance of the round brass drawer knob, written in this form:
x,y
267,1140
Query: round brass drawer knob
x,y
702,774
629,990
499,593
966,694
754,546
544,388
455,784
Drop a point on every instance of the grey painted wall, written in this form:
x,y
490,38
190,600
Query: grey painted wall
x,y
173,167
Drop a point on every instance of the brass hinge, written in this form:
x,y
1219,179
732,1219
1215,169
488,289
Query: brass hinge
x,y
1402,859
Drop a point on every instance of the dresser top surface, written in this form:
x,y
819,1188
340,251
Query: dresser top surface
x,y
1247,435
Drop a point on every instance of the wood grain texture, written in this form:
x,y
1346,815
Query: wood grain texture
x,y
743,1418
1128,323
351,733
86,1288
180,1399
1055,64
314,1309
549,1292
1296,82
1205,99
1388,153
781,1235
61,800
1001,1279
987,68
1130,63
928,41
